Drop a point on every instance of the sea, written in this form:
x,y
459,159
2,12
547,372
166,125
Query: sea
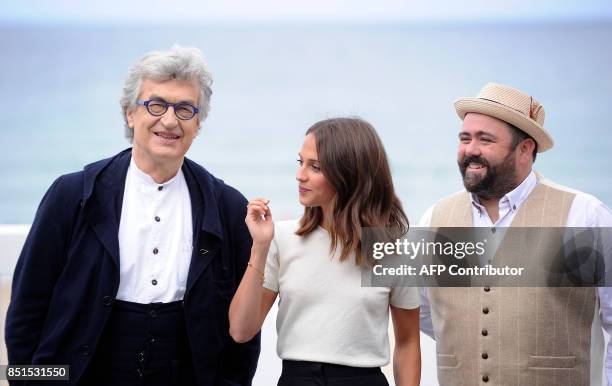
x,y
61,85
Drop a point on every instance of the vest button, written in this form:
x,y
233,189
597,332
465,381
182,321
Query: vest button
x,y
485,310
153,314
85,350
107,300
485,332
487,289
485,355
485,378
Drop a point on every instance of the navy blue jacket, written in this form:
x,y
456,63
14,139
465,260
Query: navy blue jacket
x,y
67,275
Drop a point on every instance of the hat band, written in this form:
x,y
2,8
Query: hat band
x,y
501,104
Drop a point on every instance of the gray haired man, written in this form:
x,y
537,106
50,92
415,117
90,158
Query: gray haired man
x,y
130,265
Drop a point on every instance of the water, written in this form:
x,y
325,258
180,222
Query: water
x,y
61,85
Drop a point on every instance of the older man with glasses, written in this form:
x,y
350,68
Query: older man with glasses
x,y
130,265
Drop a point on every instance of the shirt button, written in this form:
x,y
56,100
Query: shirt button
x,y
487,289
485,310
493,230
485,355
154,282
157,219
485,332
155,250
160,188
485,378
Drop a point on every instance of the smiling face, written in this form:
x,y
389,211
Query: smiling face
x,y
163,140
485,156
314,189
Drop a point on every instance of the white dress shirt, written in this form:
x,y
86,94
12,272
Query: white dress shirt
x,y
586,212
155,238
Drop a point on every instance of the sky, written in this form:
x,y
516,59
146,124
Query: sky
x,y
158,11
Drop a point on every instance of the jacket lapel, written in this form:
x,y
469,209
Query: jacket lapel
x,y
103,206
207,234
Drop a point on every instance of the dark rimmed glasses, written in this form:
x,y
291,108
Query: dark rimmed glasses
x,y
183,110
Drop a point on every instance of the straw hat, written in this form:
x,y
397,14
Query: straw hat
x,y
512,106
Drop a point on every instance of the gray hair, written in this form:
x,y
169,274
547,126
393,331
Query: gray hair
x,y
183,63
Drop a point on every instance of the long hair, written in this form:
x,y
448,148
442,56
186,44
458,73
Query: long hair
x,y
354,162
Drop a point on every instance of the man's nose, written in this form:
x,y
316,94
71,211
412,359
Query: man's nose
x,y
169,119
472,148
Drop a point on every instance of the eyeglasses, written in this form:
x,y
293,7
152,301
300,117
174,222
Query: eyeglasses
x,y
183,110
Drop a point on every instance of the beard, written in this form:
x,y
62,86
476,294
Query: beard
x,y
497,180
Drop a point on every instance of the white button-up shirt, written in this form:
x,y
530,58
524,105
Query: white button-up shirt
x,y
586,212
155,238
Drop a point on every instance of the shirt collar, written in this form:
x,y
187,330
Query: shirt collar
x,y
146,181
515,197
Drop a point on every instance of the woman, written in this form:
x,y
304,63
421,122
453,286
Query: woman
x,y
330,329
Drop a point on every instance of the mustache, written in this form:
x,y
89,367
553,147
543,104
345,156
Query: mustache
x,y
466,161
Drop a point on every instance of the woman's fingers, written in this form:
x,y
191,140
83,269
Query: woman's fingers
x,y
259,211
259,220
259,206
259,201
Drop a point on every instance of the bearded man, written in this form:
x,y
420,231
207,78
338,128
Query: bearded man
x,y
509,335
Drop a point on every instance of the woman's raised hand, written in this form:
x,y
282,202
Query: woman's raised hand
x,y
259,221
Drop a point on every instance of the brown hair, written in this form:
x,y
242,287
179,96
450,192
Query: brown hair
x,y
354,162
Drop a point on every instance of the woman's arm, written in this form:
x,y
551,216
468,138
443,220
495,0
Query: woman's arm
x,y
252,302
407,353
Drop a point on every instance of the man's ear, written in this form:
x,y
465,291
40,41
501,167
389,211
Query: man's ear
x,y
129,115
526,149
199,123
